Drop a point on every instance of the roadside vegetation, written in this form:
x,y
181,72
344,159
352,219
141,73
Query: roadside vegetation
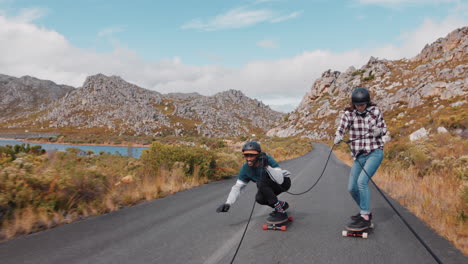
x,y
430,178
40,190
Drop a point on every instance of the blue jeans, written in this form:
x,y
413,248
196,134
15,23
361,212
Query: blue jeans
x,y
358,179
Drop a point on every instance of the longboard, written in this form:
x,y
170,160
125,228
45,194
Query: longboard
x,y
277,226
364,233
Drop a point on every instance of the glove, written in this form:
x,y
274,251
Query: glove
x,y
337,139
223,208
377,132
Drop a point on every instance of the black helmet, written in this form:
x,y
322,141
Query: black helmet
x,y
360,96
252,145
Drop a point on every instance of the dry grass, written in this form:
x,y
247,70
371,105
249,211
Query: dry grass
x,y
123,193
343,156
434,198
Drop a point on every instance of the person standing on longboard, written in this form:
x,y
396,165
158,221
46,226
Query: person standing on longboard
x,y
270,179
366,126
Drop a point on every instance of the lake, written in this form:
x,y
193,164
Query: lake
x,y
121,150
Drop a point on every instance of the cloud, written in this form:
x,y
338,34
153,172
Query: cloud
x,y
110,31
27,49
238,18
405,2
235,18
30,14
213,57
286,17
266,1
267,44
415,40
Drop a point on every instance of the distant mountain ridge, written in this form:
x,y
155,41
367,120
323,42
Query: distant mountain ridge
x,y
415,90
19,96
112,105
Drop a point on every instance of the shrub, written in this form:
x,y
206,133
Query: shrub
x,y
12,151
419,158
165,156
213,143
358,72
75,151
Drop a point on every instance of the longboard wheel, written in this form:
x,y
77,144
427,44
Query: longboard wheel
x,y
283,228
265,227
364,235
344,233
290,218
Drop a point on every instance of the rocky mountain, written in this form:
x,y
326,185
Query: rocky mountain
x,y
19,96
229,112
426,90
112,105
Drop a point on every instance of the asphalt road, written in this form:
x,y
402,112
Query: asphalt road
x,y
184,228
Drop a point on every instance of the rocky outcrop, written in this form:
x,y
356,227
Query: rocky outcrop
x,y
419,134
244,114
449,46
434,77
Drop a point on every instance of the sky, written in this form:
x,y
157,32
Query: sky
x,y
271,50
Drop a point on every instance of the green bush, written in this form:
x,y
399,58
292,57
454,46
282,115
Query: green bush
x,y
73,150
13,151
358,72
165,156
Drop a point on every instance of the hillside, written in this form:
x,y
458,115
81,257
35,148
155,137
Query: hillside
x,y
112,106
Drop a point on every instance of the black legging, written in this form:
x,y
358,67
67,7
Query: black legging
x,y
268,190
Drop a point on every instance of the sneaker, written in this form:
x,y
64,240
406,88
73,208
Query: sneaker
x,y
359,224
355,217
281,206
358,215
277,217
285,207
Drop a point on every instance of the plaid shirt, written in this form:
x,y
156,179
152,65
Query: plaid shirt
x,y
361,130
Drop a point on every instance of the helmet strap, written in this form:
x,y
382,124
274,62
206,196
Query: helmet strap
x,y
363,113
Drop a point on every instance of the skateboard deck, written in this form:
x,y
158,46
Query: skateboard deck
x,y
364,233
277,226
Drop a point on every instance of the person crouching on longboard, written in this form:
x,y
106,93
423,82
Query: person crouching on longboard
x,y
270,179
366,126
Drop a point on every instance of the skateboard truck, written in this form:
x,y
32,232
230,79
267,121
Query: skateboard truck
x,y
355,233
362,233
279,226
